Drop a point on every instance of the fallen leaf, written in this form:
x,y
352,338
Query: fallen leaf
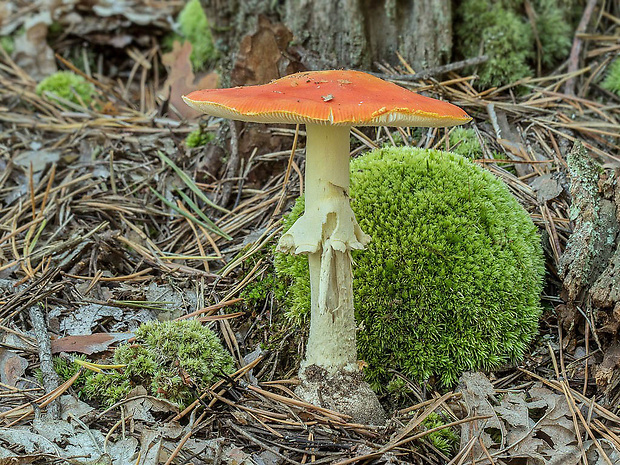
x,y
546,188
264,56
83,319
140,405
8,458
478,397
181,78
150,446
71,406
12,367
536,425
38,159
171,301
55,431
66,439
594,456
29,441
32,53
123,451
88,344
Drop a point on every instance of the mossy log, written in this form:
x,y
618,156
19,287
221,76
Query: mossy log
x,y
590,265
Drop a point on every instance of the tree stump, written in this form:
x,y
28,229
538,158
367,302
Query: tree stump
x,y
345,33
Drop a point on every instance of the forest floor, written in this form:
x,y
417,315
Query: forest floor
x,y
97,236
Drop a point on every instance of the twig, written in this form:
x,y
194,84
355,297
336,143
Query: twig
x,y
436,71
260,443
232,166
573,60
50,377
383,450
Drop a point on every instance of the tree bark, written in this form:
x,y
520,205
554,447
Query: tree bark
x,y
345,33
356,33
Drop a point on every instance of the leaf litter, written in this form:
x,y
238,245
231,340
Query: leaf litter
x,y
534,424
108,220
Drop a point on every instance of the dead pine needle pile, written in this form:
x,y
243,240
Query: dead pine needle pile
x,y
119,205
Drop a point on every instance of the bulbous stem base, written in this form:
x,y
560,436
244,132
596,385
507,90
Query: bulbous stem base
x,y
344,391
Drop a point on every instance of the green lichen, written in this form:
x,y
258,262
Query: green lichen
x,y
452,276
193,26
612,78
502,30
69,86
198,138
173,360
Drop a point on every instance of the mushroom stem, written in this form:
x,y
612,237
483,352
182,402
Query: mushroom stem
x,y
331,342
327,232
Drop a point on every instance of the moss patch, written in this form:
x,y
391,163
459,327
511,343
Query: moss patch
x,y
8,44
193,26
198,138
69,86
502,30
465,142
445,440
172,360
452,277
612,78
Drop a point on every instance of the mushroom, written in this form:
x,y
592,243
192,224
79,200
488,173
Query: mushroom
x,y
329,103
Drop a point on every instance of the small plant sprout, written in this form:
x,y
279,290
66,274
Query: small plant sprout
x,y
329,103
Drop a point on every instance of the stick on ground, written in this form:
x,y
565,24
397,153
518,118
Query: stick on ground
x,y
50,377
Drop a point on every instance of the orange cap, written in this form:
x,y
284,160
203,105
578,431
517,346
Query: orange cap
x,y
342,98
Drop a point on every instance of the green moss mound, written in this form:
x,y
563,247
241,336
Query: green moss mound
x,y
451,279
502,30
173,360
69,86
612,79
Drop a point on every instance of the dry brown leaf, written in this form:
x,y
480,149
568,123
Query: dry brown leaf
x,y
21,460
88,344
140,405
262,56
547,187
32,53
12,367
533,427
181,78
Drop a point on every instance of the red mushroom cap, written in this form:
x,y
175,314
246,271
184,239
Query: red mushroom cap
x,y
343,98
